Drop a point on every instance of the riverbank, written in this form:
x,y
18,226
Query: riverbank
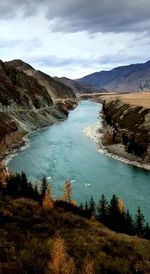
x,y
55,115
115,151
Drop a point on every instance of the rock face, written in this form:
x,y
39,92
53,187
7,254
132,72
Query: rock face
x,y
26,105
126,78
128,125
56,89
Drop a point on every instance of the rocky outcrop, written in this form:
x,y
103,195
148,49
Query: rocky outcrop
x,y
128,125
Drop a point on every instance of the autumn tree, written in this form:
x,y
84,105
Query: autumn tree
x,y
61,262
48,199
88,266
67,191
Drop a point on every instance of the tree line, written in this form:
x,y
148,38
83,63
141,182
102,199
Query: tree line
x,y
111,213
116,217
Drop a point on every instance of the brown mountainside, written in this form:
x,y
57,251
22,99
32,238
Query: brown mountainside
x,y
26,105
56,89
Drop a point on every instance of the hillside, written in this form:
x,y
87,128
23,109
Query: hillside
x,y
134,77
42,240
127,126
79,87
25,105
56,89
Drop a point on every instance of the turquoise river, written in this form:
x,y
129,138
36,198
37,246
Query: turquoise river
x,y
63,151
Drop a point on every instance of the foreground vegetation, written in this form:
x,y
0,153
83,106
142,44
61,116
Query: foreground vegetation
x,y
42,235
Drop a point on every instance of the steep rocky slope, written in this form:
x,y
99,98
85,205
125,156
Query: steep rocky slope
x,y
25,105
125,78
56,89
127,122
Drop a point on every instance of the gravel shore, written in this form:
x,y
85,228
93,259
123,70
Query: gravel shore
x,y
115,151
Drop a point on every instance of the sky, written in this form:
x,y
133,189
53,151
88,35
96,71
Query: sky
x,y
74,38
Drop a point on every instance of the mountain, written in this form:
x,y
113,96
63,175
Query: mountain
x,y
26,105
56,89
134,77
79,87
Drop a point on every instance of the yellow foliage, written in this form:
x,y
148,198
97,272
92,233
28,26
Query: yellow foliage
x,y
67,191
48,201
61,262
121,205
88,266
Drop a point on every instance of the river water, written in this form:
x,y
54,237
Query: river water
x,y
63,151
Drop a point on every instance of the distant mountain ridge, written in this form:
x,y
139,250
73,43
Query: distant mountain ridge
x,y
79,87
134,77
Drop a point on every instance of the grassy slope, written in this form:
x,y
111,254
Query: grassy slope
x,y
28,232
138,99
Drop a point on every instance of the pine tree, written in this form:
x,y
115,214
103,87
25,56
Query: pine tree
x,y
81,206
92,206
13,185
86,208
23,185
128,226
43,186
114,214
102,209
139,222
147,231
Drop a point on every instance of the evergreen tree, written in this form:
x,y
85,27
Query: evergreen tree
x,y
92,206
43,186
86,209
13,185
128,226
102,209
114,215
24,191
81,206
139,222
147,231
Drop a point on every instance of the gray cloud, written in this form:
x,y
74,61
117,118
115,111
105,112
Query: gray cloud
x,y
86,15
101,15
9,8
112,60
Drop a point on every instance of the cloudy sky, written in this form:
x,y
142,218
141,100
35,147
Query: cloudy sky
x,y
74,38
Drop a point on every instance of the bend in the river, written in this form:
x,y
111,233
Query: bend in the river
x,y
63,151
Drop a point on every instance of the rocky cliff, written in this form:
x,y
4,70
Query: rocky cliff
x,y
25,105
127,124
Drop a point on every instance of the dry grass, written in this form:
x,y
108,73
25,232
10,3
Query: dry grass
x,y
137,99
31,236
